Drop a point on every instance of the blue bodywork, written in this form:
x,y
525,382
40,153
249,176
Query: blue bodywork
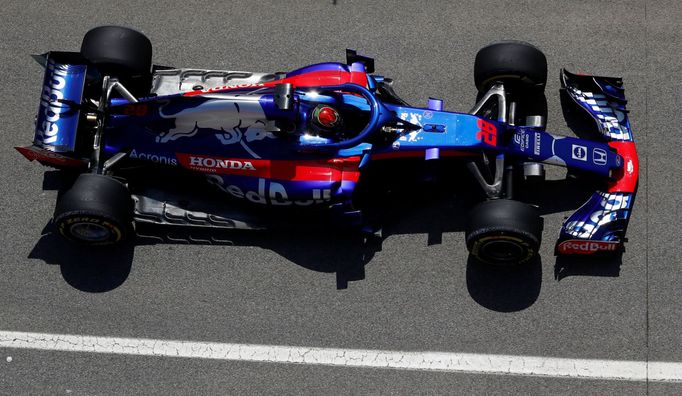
x,y
259,152
57,121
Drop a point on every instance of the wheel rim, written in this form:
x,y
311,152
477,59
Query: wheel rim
x,y
90,232
503,250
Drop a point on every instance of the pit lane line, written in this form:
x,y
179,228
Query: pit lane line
x,y
623,370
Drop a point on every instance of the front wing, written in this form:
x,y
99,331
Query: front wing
x,y
599,225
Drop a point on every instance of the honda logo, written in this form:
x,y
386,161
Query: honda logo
x,y
599,156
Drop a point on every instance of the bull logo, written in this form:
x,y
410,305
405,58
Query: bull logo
x,y
235,122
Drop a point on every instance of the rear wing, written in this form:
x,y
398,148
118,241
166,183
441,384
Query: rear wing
x,y
57,120
599,226
59,115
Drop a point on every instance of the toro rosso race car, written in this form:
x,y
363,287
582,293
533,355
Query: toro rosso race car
x,y
305,140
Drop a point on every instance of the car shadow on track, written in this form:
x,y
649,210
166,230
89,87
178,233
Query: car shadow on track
x,y
587,266
324,248
89,269
320,250
504,289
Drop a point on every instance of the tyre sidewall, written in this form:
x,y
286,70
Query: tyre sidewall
x,y
97,200
507,221
527,245
66,221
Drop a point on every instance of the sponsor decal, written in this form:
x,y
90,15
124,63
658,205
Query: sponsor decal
x,y
599,156
487,132
232,122
52,92
630,168
521,138
574,246
536,143
225,87
159,159
328,170
270,193
578,152
213,165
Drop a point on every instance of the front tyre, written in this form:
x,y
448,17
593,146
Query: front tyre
x,y
517,64
97,210
504,232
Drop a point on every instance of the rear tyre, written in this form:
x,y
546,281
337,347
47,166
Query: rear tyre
x,y
120,52
515,63
97,210
504,232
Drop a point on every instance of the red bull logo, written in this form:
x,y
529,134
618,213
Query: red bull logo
x,y
574,246
57,121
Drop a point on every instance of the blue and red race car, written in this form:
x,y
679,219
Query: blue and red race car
x,y
305,140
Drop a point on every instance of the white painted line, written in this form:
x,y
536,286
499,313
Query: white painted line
x,y
424,361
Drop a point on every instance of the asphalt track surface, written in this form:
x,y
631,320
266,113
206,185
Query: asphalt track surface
x,y
415,291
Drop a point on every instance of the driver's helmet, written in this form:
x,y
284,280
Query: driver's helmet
x,y
326,116
325,120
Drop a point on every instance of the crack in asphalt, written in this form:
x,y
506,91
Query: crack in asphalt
x,y
420,361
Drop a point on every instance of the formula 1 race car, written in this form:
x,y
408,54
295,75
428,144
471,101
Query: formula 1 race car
x,y
305,140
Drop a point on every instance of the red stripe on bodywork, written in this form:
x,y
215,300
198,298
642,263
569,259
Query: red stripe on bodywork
x,y
331,170
626,178
359,78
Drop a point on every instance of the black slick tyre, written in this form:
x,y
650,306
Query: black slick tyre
x,y
96,210
515,63
120,52
504,232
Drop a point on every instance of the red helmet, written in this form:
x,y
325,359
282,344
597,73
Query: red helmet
x,y
326,116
